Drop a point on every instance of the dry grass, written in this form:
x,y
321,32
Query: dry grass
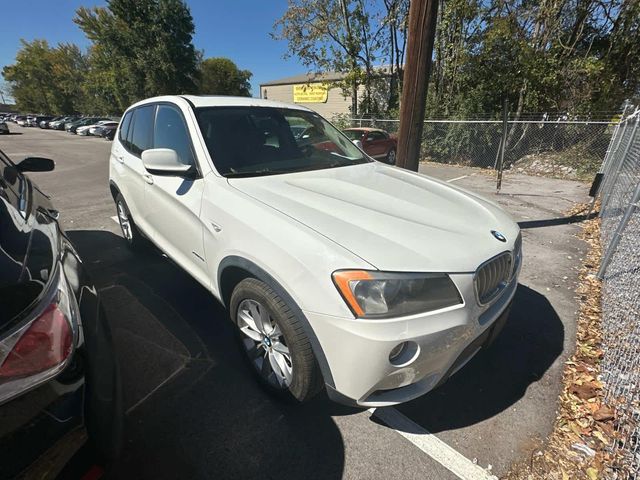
x,y
578,446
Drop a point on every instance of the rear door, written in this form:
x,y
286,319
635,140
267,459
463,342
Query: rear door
x,y
134,138
173,203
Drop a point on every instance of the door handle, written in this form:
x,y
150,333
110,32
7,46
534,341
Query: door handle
x,y
148,178
120,158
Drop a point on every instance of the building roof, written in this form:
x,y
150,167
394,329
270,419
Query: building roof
x,y
306,78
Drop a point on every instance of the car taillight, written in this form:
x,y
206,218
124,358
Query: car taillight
x,y
42,347
45,344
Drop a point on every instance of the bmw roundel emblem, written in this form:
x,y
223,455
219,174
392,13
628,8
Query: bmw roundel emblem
x,y
498,235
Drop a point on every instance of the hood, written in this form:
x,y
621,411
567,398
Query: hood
x,y
394,219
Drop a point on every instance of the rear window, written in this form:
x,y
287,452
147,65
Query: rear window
x,y
122,135
353,134
142,129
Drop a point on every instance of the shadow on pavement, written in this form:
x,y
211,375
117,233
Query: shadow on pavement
x,y
550,222
194,410
499,376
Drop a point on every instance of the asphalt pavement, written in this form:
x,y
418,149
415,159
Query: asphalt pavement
x,y
195,412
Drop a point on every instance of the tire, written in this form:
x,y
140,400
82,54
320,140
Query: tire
x,y
130,231
251,299
391,157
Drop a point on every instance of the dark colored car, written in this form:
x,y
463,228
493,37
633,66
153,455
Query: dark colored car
x,y
59,124
4,128
375,143
59,382
44,123
108,131
73,126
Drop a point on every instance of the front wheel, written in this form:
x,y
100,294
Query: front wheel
x,y
274,342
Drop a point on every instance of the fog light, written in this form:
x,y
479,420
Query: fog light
x,y
397,351
404,353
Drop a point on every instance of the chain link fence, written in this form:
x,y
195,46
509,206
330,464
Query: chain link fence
x,y
620,272
560,148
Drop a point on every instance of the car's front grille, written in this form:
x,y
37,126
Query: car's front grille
x,y
493,276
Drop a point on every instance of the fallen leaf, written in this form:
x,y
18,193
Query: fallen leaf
x,y
603,414
592,473
601,437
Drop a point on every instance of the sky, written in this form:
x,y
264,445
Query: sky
x,y
237,29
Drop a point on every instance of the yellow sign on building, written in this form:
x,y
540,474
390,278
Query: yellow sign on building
x,y
310,93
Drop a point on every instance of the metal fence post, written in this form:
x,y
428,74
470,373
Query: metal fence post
x,y
503,142
612,179
609,155
617,235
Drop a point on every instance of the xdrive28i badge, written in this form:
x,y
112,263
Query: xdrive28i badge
x,y
498,235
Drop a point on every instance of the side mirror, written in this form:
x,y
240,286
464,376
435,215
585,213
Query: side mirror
x,y
357,143
36,164
164,161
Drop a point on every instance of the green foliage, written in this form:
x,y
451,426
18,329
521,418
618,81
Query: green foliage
x,y
141,48
46,79
349,37
220,76
562,55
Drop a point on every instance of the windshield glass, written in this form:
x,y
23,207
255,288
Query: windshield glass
x,y
252,141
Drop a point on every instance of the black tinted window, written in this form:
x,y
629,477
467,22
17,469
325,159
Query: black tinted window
x,y
126,121
376,136
171,132
142,129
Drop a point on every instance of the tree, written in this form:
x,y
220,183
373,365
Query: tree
x,y
220,76
46,79
332,35
145,44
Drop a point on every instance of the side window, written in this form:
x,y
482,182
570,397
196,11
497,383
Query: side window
x,y
375,136
142,130
124,127
171,132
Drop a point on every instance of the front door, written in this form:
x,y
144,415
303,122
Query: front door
x,y
173,203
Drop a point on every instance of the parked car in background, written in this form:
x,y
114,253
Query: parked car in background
x,y
338,271
84,130
376,143
45,122
59,124
59,380
4,128
73,126
108,131
21,120
35,121
97,129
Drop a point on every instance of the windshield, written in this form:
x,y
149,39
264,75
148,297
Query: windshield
x,y
252,141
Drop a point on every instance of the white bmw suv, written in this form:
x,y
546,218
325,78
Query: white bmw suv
x,y
338,271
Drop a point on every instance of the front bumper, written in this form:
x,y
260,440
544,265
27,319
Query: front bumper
x,y
357,350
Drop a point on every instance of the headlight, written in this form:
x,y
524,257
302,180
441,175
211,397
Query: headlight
x,y
383,295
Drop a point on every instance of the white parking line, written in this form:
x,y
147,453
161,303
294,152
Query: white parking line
x,y
457,178
442,453
115,219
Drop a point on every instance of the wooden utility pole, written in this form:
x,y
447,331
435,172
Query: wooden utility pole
x,y
422,29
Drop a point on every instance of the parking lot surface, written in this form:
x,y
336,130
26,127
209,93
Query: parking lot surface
x,y
194,411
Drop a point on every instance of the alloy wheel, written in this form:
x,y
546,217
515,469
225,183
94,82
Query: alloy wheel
x,y
125,223
264,344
